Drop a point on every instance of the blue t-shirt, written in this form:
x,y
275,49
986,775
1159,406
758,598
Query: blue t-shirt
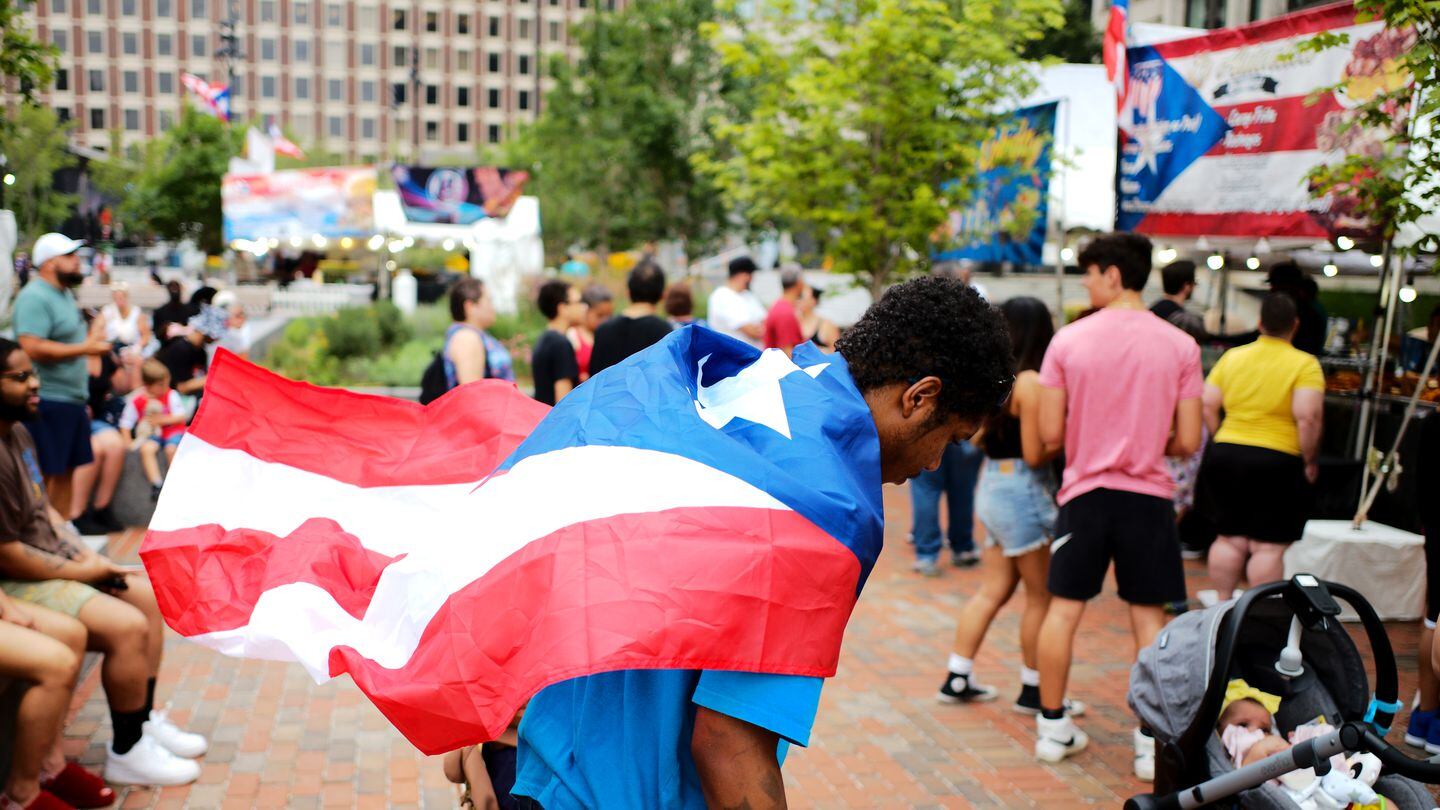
x,y
50,313
622,739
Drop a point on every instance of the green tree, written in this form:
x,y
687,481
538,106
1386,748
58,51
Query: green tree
x,y
610,153
35,148
22,58
1076,41
175,193
865,112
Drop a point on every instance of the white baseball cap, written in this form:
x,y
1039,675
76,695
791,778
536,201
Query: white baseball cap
x,y
51,245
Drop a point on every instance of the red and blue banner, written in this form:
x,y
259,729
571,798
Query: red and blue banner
x,y
1219,132
457,196
1006,220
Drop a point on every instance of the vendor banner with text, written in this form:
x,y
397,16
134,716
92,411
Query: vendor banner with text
x,y
1219,132
304,203
1006,219
457,196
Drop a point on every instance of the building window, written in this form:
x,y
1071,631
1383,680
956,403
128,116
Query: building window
x,y
267,87
432,21
132,120
335,90
335,54
334,15
432,58
336,126
432,95
131,81
130,43
197,45
267,50
1205,13
57,6
165,83
97,119
198,9
164,45
93,7
127,8
492,62
554,31
62,114
167,120
398,19
462,61
400,56
302,13
492,98
162,8
366,19
94,43
237,88
462,133
59,40
302,126
95,81
302,88
524,64
302,51
462,97
462,24
582,3
492,133
367,54
524,32
494,26
62,79
554,3
268,11
524,102
367,128
367,91
397,93
432,131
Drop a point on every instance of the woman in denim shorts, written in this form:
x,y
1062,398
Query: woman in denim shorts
x,y
1015,502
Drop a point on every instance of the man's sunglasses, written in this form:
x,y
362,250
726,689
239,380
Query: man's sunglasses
x,y
19,376
1007,387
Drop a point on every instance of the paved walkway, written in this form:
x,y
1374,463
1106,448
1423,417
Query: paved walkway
x,y
881,740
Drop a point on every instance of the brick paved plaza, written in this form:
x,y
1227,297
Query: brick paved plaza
x,y
881,740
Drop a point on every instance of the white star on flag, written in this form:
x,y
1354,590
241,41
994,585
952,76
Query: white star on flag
x,y
752,395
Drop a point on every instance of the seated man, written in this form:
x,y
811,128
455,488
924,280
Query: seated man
x,y
44,648
39,565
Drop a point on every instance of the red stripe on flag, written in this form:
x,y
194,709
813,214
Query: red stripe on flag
x,y
207,579
463,436
1289,124
1301,23
1237,223
639,591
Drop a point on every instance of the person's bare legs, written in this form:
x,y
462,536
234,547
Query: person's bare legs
x,y
1266,564
121,633
1034,568
997,585
150,461
52,668
1146,622
60,490
112,445
68,631
1227,563
1057,637
1429,683
141,596
82,482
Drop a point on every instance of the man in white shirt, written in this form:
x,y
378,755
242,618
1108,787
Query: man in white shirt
x,y
734,309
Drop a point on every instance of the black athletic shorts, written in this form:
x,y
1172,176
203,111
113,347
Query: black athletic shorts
x,y
1136,531
1432,573
1254,492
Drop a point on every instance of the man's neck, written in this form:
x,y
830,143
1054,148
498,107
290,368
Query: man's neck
x,y
558,325
737,287
52,278
639,310
1127,299
1178,300
791,296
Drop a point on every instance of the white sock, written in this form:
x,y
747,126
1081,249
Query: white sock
x,y
1029,677
960,665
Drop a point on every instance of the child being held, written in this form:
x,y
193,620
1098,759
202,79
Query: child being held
x,y
1247,729
154,421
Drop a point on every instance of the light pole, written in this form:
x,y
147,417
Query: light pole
x,y
230,51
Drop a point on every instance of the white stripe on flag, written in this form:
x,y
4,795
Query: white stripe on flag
x,y
538,496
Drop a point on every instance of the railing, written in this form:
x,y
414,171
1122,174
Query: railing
x,y
319,300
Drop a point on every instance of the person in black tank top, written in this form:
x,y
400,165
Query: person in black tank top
x,y
1015,502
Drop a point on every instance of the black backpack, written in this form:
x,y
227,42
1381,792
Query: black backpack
x,y
433,383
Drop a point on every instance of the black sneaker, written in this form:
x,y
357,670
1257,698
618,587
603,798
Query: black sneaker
x,y
155,491
87,525
1029,702
962,689
965,559
105,517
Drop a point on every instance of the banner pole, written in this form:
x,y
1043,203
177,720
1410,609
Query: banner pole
x,y
1062,109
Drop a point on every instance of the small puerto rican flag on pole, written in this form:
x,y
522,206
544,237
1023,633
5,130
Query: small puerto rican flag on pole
x,y
283,145
1116,29
214,97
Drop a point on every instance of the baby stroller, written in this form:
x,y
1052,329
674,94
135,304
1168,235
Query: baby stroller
x,y
1283,638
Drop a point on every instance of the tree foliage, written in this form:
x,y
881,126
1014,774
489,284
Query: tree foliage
x,y
865,111
1076,41
175,192
610,153
35,149
30,63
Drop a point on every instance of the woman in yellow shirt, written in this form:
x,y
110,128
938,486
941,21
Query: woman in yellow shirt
x,y
1255,481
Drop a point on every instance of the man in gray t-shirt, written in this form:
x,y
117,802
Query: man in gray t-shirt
x,y
50,329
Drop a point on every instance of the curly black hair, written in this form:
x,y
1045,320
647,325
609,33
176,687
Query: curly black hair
x,y
934,326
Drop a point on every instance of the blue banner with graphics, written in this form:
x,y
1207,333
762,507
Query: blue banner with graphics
x,y
1014,182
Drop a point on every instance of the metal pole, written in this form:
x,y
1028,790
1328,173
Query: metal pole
x,y
1379,356
1063,109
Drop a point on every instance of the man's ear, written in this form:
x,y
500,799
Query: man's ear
x,y
921,398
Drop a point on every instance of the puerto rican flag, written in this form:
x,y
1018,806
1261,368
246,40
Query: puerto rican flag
x,y
214,97
283,145
701,505
1116,28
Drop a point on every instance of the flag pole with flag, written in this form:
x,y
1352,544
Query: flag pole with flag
x,y
1116,41
213,96
702,505
283,145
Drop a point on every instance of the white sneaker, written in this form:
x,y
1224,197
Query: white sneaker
x,y
175,740
1144,757
149,763
1058,739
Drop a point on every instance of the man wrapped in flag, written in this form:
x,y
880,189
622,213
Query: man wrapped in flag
x,y
669,557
